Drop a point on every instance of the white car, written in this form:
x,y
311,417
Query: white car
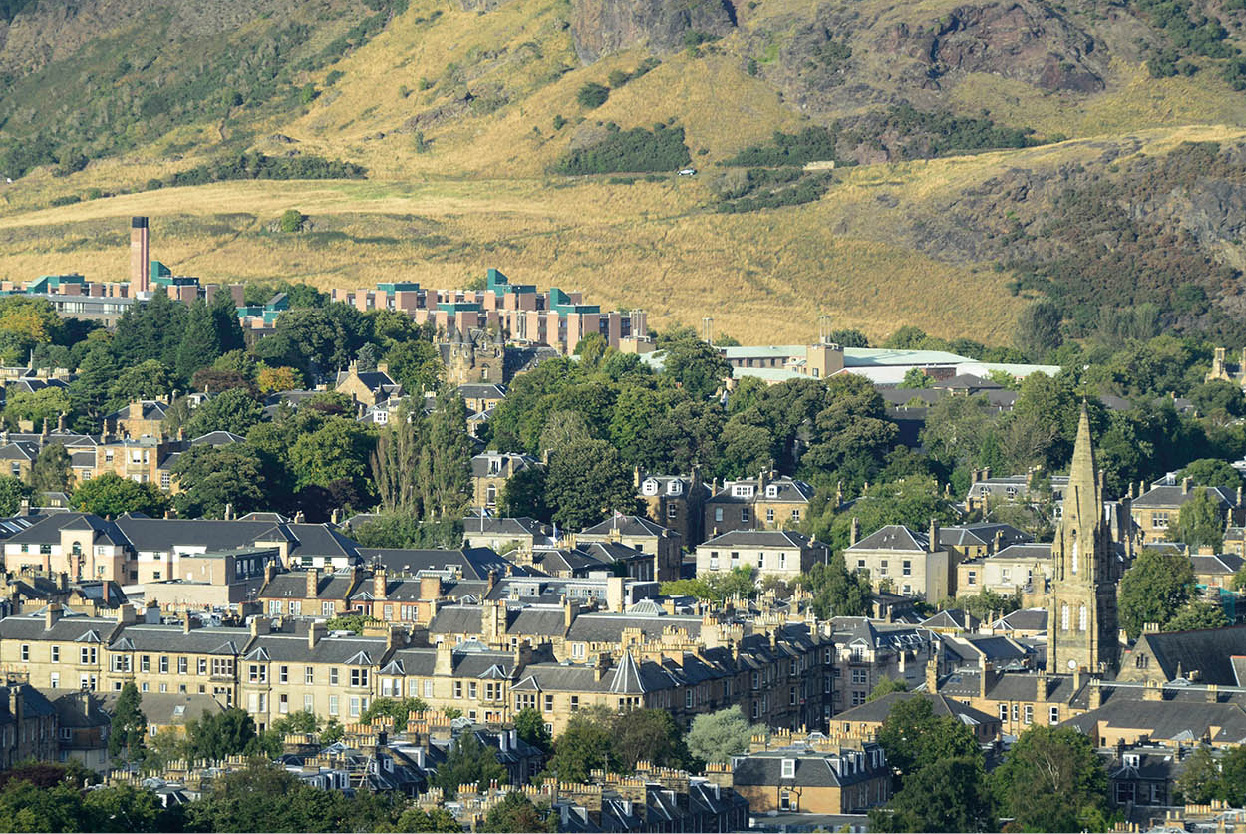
x,y
687,172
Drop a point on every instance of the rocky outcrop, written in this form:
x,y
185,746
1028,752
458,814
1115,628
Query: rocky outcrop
x,y
1025,40
51,31
601,27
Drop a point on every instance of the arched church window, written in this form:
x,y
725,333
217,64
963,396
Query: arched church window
x,y
1064,616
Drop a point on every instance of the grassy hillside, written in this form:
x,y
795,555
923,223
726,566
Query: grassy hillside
x,y
460,113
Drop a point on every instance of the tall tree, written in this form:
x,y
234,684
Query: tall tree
x,y
50,471
1038,330
717,736
695,366
1052,780
530,726
469,761
111,495
915,738
399,446
12,491
949,794
1156,586
97,371
151,331
224,313
586,480
451,455
1200,523
587,744
234,410
127,739
200,343
209,478
648,735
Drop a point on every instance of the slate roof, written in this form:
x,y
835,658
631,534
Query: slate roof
x,y
1169,497
1188,721
168,709
952,618
293,648
894,537
372,380
219,640
1024,552
553,560
473,563
294,586
1024,619
509,463
780,539
968,535
149,410
482,390
1210,651
598,627
628,525
521,527
48,529
812,770
1224,564
217,438
69,628
786,489
34,703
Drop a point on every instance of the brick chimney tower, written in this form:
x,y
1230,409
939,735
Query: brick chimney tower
x,y
140,255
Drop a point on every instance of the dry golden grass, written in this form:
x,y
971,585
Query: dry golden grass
x,y
764,277
481,196
1133,101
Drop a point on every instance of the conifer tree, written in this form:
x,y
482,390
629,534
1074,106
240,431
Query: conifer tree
x,y
128,739
200,344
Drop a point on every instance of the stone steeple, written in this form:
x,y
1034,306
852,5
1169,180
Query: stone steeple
x,y
1082,616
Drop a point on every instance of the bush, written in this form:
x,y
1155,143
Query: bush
x,y
592,95
776,189
635,150
292,221
812,144
257,166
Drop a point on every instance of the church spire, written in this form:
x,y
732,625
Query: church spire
x,y
1082,616
1083,477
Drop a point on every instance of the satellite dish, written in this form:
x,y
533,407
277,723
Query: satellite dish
x,y
1072,663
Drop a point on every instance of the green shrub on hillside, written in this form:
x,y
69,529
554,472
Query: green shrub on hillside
x,y
592,95
630,151
812,144
257,166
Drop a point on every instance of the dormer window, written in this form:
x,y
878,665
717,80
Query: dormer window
x,y
649,487
788,769
772,490
675,488
742,491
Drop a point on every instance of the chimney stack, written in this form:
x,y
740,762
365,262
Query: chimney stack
x,y
140,255
313,582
